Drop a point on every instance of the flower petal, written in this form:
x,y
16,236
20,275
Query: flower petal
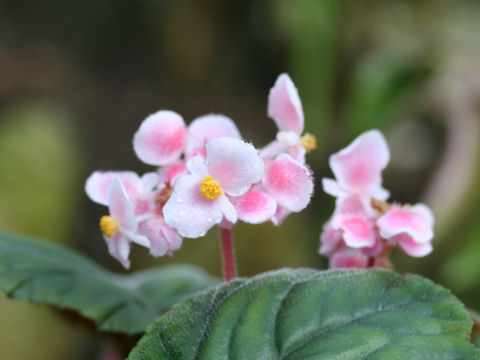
x,y
119,248
170,173
97,184
331,240
208,127
284,105
280,215
149,181
198,166
358,232
349,259
228,209
411,221
411,247
161,138
358,167
255,206
121,208
289,183
235,164
188,212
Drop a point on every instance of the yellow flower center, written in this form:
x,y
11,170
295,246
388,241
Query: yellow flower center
x,y
210,188
309,142
108,225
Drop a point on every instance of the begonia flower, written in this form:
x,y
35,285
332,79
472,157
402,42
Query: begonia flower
x,y
255,206
120,227
206,128
163,239
358,167
349,259
410,227
161,138
285,108
201,199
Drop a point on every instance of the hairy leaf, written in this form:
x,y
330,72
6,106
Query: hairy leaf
x,y
307,314
43,272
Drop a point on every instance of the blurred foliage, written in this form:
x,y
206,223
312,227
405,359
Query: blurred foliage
x,y
410,68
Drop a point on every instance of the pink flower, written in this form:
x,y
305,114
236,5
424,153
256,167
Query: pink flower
x,y
349,259
411,227
201,199
120,227
358,168
285,108
161,138
163,239
206,128
255,206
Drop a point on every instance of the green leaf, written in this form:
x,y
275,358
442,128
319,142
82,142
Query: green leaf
x,y
39,271
308,314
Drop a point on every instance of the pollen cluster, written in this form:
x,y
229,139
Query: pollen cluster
x,y
210,188
309,142
108,225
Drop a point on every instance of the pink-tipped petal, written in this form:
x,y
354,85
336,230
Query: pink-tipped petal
x,y
97,184
235,164
358,167
208,127
170,173
161,138
400,220
288,182
119,248
331,240
121,209
188,212
349,260
411,247
255,206
280,215
284,105
358,232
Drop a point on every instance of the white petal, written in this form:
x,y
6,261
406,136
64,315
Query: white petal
x,y
150,181
119,248
198,167
188,212
235,164
121,209
228,209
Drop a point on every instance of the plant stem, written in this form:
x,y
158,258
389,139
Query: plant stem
x,y
228,254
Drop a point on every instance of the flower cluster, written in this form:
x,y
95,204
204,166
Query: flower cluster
x,y
207,175
364,228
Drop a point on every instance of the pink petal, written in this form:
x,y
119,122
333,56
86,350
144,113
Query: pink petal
x,y
162,237
411,247
170,173
255,206
119,248
331,187
208,127
358,167
331,240
297,152
121,209
161,138
97,184
235,164
280,215
188,212
411,221
284,105
358,232
288,182
349,260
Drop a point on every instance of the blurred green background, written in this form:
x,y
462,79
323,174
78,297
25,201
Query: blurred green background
x,y
77,79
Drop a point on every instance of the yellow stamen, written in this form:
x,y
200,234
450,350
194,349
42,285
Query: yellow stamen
x,y
108,225
309,142
210,188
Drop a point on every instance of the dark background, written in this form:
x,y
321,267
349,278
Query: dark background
x,y
78,77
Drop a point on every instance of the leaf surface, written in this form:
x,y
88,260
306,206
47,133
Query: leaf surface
x,y
38,271
308,314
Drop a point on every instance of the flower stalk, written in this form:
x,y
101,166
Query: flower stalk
x,y
228,254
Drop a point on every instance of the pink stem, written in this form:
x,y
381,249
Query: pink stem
x,y
228,254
